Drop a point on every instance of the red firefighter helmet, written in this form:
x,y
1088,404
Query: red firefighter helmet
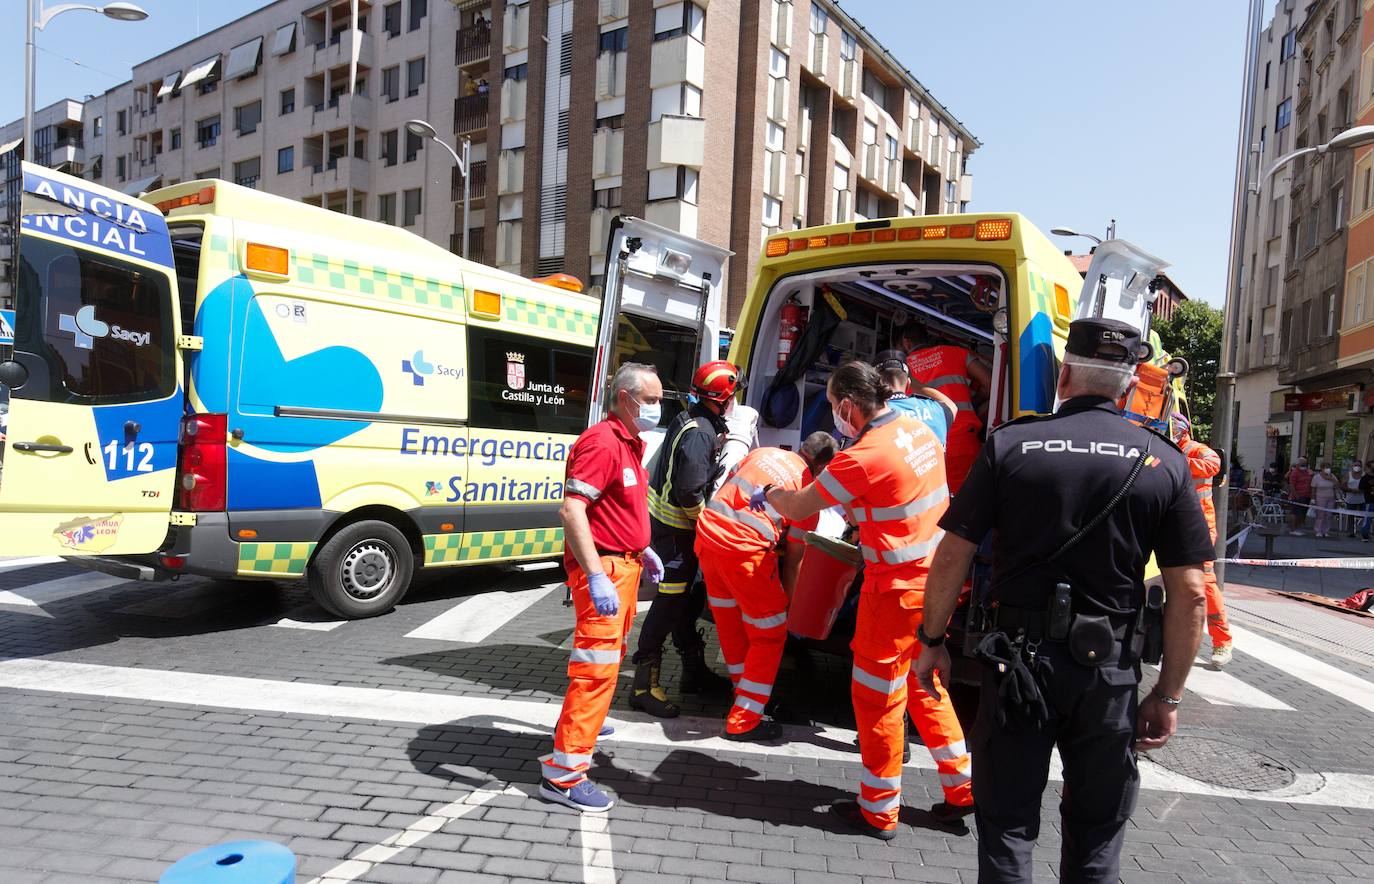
x,y
716,381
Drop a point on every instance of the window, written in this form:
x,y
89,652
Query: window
x,y
1337,207
418,8
849,46
1330,313
1266,75
819,19
388,151
516,73
415,76
1275,214
286,159
247,172
122,122
615,122
614,41
951,194
247,117
386,205
208,85
120,168
207,131
413,144
97,168
677,19
410,207
174,139
560,368
391,19
1283,115
674,182
892,148
772,212
391,83
1289,46
606,199
98,126
288,101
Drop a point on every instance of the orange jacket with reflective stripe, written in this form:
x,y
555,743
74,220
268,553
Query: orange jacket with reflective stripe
x,y
893,479
1203,463
946,369
728,524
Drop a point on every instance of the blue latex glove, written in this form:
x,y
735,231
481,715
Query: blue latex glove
x,y
759,499
605,598
653,565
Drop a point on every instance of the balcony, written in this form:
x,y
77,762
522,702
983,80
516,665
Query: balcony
x,y
477,242
339,52
599,232
66,152
477,188
679,60
965,188
608,147
250,181
472,44
870,166
340,173
678,215
470,114
610,74
677,141
337,112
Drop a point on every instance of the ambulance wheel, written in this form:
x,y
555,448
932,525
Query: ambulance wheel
x,y
362,571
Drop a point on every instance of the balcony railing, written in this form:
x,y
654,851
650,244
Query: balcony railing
x,y
472,43
247,181
470,113
477,250
477,188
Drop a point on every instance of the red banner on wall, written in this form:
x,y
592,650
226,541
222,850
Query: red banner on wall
x,y
1338,397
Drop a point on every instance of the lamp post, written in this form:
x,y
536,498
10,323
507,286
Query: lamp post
x,y
422,129
38,19
1069,231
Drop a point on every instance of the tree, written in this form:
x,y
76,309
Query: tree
x,y
1194,332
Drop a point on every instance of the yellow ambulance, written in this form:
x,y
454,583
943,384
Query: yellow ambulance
x,y
302,394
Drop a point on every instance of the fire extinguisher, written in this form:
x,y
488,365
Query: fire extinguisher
x,y
790,327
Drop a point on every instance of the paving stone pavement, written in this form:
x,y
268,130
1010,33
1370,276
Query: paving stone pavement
x,y
97,787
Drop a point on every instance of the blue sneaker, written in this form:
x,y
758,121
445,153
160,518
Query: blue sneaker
x,y
583,798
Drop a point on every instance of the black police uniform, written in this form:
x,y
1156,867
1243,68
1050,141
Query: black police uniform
x,y
1038,481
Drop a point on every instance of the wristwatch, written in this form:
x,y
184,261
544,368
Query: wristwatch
x,y
1165,698
926,640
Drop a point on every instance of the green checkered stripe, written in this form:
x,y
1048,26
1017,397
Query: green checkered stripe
x,y
549,316
221,255
521,544
275,559
1040,288
443,549
348,275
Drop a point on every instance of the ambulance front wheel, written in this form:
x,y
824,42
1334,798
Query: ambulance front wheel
x,y
362,571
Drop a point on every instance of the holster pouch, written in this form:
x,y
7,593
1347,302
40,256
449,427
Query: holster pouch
x,y
1019,701
1150,628
1091,639
975,628
1060,614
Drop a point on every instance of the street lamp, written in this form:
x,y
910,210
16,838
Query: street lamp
x,y
37,21
1350,139
422,129
1069,231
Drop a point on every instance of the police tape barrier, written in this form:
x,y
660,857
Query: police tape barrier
x,y
1360,564
1340,511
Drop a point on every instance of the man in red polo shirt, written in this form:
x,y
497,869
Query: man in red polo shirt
x,y
605,518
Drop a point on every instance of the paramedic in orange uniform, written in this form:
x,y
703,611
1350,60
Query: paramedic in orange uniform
x,y
605,518
738,550
893,480
952,370
1204,463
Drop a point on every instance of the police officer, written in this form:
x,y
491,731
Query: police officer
x,y
680,480
1068,622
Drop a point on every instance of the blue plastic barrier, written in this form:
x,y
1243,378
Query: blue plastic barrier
x,y
235,862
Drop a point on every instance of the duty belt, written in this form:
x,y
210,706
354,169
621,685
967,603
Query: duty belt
x,y
1035,622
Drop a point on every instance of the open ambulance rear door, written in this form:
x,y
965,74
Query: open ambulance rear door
x,y
1117,284
95,377
661,307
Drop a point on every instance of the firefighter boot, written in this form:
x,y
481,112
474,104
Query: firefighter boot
x,y
697,677
647,696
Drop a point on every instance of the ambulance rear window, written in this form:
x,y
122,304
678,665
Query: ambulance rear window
x,y
527,384
186,242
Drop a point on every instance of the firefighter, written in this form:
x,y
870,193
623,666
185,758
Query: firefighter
x,y
680,480
605,518
953,371
739,549
1204,463
893,480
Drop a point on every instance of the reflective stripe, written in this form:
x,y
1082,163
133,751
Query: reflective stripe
x,y
873,781
947,379
745,517
592,655
754,687
744,485
906,510
672,516
903,554
563,778
570,760
954,780
749,705
949,753
734,668
834,488
963,406
881,685
722,603
672,588
882,806
771,622
797,535
577,486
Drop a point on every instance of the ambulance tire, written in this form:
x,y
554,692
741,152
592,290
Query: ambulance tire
x,y
361,571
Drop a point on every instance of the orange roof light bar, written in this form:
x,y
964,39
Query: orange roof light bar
x,y
203,197
993,229
800,244
564,281
861,238
961,231
907,234
938,232
778,247
818,242
888,235
839,239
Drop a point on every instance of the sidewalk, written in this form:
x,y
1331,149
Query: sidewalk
x,y
1337,583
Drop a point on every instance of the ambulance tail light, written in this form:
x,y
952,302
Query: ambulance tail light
x,y
992,229
776,248
202,472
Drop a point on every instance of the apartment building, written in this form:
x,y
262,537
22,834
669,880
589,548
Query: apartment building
x,y
727,120
1355,351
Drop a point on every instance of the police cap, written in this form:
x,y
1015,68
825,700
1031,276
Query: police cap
x,y
1107,339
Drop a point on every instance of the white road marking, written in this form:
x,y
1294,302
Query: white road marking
x,y
366,859
61,588
1350,688
1224,689
598,859
537,566
290,622
31,562
475,619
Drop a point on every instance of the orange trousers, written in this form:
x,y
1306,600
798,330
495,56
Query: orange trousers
x,y
1217,626
750,608
593,667
883,688
961,451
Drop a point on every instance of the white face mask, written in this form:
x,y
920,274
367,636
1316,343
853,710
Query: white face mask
x,y
845,428
649,415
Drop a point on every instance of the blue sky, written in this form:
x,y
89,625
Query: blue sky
x,y
1087,110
